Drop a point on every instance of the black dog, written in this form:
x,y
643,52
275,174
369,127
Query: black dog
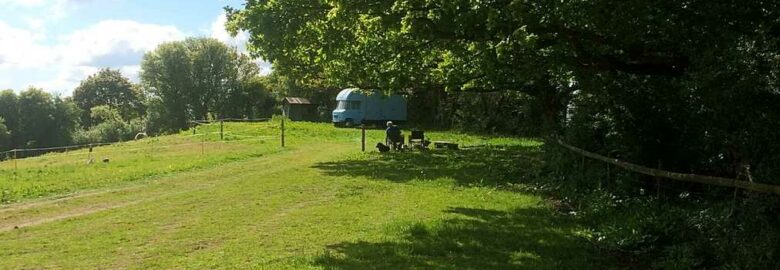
x,y
382,148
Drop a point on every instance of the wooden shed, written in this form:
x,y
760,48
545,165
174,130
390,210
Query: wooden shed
x,y
299,109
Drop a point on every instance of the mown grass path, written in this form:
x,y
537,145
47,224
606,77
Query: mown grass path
x,y
315,206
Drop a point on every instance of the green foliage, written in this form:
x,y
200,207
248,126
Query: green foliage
x,y
9,110
35,118
100,114
108,87
166,72
687,87
66,119
662,86
392,45
683,230
5,136
109,127
496,112
318,93
214,75
156,116
252,99
199,78
44,120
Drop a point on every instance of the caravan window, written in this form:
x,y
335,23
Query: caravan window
x,y
348,105
354,105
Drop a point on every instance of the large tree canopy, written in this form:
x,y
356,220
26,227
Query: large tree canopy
x,y
5,136
198,78
351,39
167,72
690,84
108,87
9,110
44,120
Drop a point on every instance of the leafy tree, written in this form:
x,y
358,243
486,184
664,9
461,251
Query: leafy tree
x,y
248,96
109,127
214,74
66,118
688,86
197,78
156,116
382,45
45,120
167,72
319,92
9,110
658,85
108,87
5,136
36,117
104,113
253,99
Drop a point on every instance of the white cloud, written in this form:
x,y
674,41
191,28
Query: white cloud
x,y
22,3
115,43
219,32
59,63
20,47
239,41
35,24
118,44
132,72
67,79
55,9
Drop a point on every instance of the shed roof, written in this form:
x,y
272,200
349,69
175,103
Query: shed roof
x,y
297,101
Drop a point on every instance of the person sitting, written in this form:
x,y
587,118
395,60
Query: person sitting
x,y
393,136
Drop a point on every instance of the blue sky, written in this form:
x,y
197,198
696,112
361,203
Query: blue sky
x,y
54,44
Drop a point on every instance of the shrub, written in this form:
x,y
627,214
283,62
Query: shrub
x,y
110,128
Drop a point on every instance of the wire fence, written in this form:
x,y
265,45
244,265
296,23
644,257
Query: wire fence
x,y
91,154
150,146
76,167
659,174
240,120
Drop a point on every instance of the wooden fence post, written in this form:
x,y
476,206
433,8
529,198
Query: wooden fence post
x,y
283,131
658,180
363,137
15,166
221,130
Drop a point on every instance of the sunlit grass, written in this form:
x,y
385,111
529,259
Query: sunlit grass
x,y
76,170
319,203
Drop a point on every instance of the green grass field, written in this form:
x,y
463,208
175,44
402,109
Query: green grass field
x,y
193,201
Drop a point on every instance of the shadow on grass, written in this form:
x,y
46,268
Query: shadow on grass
x,y
524,238
478,166
529,238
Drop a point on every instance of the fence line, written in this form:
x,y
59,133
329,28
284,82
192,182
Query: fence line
x,y
77,146
198,122
701,179
255,138
230,120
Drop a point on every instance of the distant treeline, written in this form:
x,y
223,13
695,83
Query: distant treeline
x,y
181,81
